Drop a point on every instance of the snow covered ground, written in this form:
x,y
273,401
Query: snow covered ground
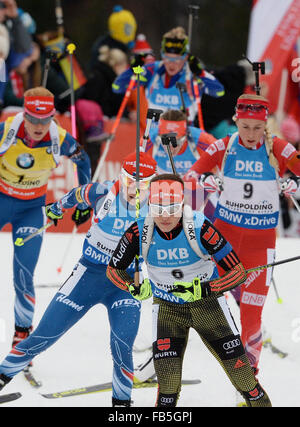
x,y
82,356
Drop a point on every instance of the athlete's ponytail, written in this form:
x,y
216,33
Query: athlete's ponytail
x,y
269,144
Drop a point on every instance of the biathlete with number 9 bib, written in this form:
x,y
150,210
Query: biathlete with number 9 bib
x,y
173,238
251,163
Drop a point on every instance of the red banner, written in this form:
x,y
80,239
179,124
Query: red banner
x,y
273,36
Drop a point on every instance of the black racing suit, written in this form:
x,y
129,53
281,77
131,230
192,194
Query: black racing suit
x,y
210,317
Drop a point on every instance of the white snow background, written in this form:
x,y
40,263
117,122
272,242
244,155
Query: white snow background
x,y
82,356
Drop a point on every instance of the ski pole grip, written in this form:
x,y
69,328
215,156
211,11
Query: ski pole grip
x,y
169,138
71,48
152,113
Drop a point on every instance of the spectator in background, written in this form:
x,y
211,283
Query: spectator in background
x,y
111,63
218,112
121,34
19,38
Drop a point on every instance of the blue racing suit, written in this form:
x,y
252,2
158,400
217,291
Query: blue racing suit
x,y
24,173
88,286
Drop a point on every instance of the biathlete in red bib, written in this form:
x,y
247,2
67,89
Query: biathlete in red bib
x,y
251,163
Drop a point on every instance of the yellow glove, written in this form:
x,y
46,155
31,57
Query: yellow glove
x,y
143,292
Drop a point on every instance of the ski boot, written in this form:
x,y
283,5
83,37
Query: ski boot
x,y
20,335
4,380
119,403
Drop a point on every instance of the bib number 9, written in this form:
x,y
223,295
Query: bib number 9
x,y
248,190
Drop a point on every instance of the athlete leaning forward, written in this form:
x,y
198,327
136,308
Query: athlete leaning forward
x,y
171,238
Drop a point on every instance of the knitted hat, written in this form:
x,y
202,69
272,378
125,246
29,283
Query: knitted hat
x,y
122,25
141,45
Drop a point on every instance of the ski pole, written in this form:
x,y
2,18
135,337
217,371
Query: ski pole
x,y
279,300
167,139
151,114
198,102
137,71
182,88
262,267
71,48
296,204
20,241
50,55
250,270
74,231
102,160
193,13
59,18
257,67
114,129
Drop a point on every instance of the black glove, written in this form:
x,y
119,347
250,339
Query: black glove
x,y
196,65
81,216
54,212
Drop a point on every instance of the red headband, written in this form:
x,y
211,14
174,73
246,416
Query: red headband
x,y
39,106
166,192
248,108
167,126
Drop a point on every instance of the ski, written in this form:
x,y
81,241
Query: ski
x,y
267,343
31,379
107,387
9,397
141,349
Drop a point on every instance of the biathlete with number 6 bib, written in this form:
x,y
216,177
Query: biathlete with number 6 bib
x,y
31,144
180,248
251,162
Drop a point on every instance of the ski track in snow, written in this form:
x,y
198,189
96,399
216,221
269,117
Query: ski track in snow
x,y
82,356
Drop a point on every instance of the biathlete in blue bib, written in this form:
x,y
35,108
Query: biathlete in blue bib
x,y
177,66
114,206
